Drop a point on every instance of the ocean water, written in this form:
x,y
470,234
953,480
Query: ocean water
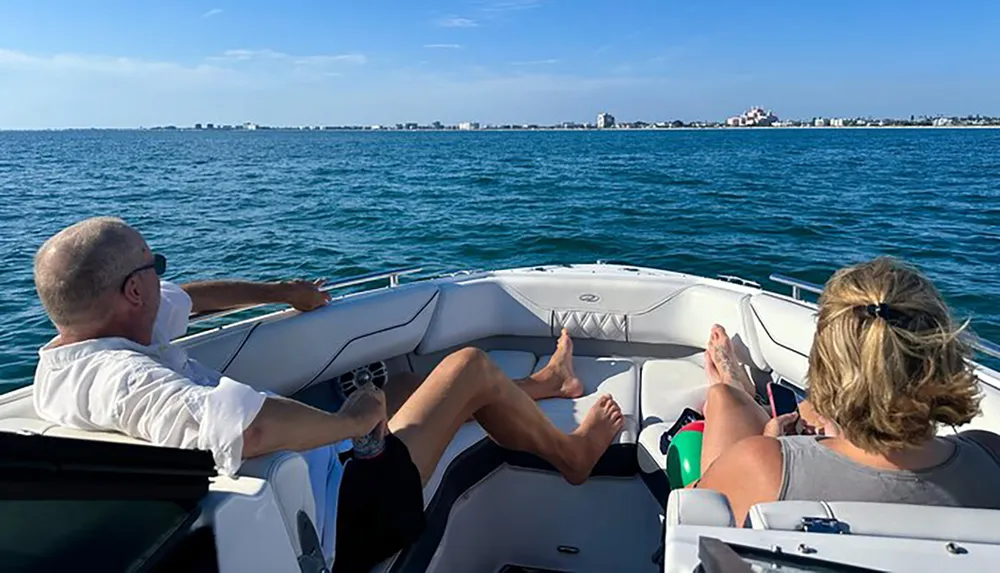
x,y
272,205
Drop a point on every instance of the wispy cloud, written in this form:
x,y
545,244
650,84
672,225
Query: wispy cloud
x,y
97,64
511,6
443,46
212,12
243,55
548,62
355,59
455,22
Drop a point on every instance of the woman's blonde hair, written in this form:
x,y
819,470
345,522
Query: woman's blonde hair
x,y
887,364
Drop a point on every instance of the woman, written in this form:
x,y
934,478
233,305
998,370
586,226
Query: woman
x,y
887,368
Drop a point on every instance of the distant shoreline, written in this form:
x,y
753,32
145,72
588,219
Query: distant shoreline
x,y
498,129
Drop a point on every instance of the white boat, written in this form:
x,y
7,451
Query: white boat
x,y
639,335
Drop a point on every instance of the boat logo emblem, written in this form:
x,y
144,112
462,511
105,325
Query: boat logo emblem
x,y
589,297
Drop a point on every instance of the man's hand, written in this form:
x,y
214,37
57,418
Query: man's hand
x,y
783,425
304,295
364,409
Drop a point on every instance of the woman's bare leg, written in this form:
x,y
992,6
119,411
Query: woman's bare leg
x,y
731,413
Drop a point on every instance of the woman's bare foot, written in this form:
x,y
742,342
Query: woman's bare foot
x,y
714,377
557,379
592,438
721,364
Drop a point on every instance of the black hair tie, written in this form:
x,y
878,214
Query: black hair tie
x,y
880,310
886,313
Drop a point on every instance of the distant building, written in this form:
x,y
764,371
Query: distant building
x,y
605,121
943,121
837,122
753,117
249,126
209,126
197,126
468,125
821,122
437,125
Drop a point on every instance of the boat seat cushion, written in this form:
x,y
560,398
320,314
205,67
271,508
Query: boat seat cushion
x,y
514,363
703,507
785,331
884,519
616,376
669,386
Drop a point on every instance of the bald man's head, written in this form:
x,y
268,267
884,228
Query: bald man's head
x,y
80,269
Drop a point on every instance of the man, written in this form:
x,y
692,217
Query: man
x,y
112,367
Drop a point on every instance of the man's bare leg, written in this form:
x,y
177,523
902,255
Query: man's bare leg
x,y
398,390
556,380
467,383
731,414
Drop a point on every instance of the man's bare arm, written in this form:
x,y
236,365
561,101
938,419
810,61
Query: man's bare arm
x,y
283,424
225,294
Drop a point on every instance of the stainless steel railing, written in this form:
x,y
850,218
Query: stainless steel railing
x,y
392,275
798,286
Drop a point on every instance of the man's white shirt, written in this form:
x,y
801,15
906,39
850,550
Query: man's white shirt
x,y
158,394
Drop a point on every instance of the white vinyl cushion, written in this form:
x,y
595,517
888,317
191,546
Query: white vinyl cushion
x,y
615,376
785,331
699,507
515,364
670,385
287,473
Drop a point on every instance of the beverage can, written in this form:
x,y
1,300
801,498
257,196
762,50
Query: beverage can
x,y
371,444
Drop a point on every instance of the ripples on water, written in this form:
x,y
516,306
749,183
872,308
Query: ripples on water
x,y
270,205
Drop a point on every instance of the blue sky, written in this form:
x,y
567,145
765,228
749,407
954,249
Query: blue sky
x,y
123,63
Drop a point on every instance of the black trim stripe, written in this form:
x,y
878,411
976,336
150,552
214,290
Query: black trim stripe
x,y
366,335
239,348
768,333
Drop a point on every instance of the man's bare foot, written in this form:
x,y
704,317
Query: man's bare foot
x,y
722,366
592,438
558,379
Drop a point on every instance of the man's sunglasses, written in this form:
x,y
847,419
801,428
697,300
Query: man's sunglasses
x,y
159,264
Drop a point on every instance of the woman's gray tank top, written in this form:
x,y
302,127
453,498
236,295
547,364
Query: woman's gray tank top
x,y
813,472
